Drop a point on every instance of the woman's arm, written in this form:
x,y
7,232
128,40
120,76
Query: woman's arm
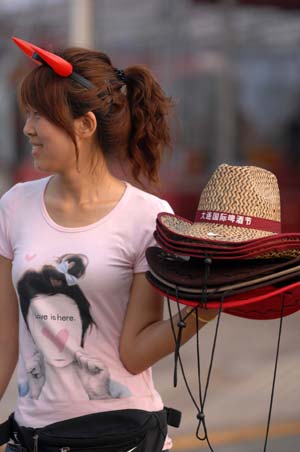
x,y
146,337
8,325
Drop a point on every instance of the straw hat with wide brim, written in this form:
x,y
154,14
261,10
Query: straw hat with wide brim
x,y
239,203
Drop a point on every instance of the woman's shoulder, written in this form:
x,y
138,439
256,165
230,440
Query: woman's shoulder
x,y
20,194
27,187
144,201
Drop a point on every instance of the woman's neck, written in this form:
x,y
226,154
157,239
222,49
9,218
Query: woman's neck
x,y
82,188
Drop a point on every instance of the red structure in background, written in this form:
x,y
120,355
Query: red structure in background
x,y
25,172
289,184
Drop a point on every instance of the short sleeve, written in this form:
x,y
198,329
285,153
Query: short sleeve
x,y
7,203
147,238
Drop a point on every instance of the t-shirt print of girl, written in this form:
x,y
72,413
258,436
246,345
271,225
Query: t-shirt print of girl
x,y
57,317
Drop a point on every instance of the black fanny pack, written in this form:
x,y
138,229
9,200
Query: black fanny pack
x,y
113,431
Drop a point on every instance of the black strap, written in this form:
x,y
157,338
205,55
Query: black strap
x,y
4,432
173,417
275,371
177,338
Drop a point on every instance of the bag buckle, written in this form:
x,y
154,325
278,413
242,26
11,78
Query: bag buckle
x,y
35,443
16,438
173,417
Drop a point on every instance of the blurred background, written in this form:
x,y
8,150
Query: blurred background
x,y
233,69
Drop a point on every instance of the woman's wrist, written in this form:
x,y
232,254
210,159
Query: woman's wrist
x,y
203,315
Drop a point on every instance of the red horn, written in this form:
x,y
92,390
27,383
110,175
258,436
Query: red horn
x,y
24,46
59,65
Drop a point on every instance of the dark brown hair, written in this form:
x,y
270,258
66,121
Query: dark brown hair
x,y
132,116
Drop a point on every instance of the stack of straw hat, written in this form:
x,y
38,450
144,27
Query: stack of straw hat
x,y
234,254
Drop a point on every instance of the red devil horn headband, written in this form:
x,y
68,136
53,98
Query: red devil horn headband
x,y
60,66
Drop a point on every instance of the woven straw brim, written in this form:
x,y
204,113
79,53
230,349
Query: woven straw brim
x,y
225,247
212,231
266,247
294,252
274,252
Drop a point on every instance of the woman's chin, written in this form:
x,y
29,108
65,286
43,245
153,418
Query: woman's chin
x,y
43,168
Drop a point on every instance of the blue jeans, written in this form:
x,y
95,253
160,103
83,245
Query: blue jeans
x,y
12,448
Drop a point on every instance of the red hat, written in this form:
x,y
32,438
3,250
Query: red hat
x,y
264,303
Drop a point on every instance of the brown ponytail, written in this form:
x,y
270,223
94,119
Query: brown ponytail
x,y
150,131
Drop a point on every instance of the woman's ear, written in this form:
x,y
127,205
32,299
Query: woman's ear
x,y
86,125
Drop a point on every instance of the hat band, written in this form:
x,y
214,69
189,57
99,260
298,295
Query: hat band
x,y
237,220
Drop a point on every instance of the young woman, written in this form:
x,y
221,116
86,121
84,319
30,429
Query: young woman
x,y
72,253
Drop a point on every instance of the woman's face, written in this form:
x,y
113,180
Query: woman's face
x,y
52,148
56,328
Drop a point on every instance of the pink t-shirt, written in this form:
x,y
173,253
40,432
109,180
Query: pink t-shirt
x,y
73,286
